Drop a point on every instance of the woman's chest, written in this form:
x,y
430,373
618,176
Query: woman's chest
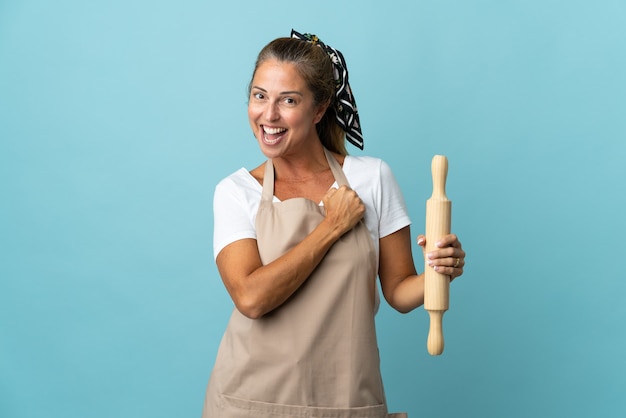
x,y
313,189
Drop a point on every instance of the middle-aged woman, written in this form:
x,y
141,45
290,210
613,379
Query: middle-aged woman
x,y
299,242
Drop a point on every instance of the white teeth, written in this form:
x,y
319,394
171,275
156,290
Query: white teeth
x,y
273,131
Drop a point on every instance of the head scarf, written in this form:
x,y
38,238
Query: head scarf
x,y
347,113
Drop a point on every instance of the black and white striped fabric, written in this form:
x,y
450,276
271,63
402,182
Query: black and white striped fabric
x,y
347,113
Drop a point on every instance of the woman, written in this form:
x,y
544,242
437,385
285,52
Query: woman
x,y
299,242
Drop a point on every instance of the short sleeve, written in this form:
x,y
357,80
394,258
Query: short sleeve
x,y
393,211
233,215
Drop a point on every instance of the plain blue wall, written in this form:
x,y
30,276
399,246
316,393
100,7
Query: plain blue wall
x,y
117,119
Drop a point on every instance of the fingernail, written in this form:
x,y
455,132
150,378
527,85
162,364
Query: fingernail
x,y
430,262
420,240
429,255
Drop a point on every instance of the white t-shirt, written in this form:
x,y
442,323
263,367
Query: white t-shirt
x,y
237,197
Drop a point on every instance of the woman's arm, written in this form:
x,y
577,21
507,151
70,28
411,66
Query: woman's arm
x,y
402,287
257,289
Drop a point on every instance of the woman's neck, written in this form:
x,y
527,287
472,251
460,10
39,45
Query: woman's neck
x,y
305,165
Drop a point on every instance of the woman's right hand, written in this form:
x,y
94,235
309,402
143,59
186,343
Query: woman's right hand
x,y
344,209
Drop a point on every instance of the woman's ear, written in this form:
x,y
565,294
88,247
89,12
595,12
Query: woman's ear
x,y
321,109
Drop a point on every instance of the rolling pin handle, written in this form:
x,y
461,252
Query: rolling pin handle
x,y
435,333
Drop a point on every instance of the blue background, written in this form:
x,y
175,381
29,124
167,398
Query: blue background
x,y
117,119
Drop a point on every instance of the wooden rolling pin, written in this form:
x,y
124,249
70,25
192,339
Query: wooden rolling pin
x,y
436,285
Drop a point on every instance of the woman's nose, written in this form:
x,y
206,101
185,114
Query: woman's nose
x,y
271,112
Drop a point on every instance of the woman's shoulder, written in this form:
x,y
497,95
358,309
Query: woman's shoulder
x,y
240,181
364,165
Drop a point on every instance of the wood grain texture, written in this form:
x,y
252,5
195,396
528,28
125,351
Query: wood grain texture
x,y
437,285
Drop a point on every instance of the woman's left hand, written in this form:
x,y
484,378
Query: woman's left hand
x,y
448,258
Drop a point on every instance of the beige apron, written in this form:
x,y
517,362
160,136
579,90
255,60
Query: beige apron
x,y
316,355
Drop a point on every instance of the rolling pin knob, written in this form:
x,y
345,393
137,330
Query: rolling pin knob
x,y
435,333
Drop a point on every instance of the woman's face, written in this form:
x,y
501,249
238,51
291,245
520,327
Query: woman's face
x,y
281,110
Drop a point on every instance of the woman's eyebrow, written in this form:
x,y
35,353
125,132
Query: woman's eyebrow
x,y
282,92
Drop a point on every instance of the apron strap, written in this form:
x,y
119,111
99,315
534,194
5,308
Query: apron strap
x,y
268,182
340,177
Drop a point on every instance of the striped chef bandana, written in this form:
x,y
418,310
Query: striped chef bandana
x,y
346,110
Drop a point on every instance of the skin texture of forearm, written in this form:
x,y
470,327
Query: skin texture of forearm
x,y
257,289
402,287
408,294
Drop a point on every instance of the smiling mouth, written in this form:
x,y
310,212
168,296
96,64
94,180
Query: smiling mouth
x,y
272,135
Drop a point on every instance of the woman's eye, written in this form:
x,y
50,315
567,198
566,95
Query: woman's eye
x,y
289,100
258,96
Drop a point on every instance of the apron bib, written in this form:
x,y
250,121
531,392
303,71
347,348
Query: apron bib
x,y
316,355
